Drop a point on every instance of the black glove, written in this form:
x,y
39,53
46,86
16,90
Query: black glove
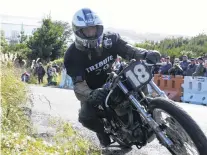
x,y
97,96
153,57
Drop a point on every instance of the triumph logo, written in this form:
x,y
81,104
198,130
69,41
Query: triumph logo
x,y
100,64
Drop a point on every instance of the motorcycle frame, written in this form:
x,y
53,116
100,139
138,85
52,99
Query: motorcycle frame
x,y
147,117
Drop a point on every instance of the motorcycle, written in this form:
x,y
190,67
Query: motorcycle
x,y
132,118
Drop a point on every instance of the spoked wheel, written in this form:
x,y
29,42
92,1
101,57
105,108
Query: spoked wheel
x,y
179,127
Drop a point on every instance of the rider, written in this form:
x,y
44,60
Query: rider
x,y
89,59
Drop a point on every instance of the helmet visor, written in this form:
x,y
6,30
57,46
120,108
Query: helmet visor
x,y
90,32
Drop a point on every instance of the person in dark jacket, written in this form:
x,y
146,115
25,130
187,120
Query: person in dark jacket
x,y
191,67
184,64
40,73
176,69
164,69
56,67
200,69
88,60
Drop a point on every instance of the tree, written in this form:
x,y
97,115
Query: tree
x,y
193,47
19,49
50,40
23,52
4,43
22,37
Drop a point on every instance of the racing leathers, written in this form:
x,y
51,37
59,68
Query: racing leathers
x,y
89,69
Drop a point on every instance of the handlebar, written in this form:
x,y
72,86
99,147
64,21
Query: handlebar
x,y
157,64
131,61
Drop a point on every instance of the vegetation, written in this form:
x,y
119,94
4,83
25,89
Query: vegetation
x,y
59,62
66,141
16,135
192,47
49,42
4,44
12,117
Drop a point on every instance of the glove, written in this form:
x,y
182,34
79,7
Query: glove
x,y
97,96
153,57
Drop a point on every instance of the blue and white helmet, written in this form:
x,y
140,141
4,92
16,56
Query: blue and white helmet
x,y
88,29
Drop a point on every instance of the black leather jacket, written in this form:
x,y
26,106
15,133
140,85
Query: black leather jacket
x,y
89,69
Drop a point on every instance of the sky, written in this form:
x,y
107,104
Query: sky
x,y
185,17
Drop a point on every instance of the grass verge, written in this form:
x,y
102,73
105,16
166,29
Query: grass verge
x,y
16,136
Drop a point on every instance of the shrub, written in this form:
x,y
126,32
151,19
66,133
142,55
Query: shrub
x,y
13,93
59,62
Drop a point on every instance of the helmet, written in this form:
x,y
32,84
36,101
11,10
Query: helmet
x,y
88,29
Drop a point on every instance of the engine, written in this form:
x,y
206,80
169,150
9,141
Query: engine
x,y
127,120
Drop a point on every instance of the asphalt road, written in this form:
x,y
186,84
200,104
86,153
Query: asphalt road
x,y
54,102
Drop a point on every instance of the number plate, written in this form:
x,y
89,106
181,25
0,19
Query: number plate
x,y
137,74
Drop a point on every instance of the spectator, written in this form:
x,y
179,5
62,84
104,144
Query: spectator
x,y
205,65
56,67
36,65
176,69
25,77
69,82
196,61
40,73
200,69
176,61
164,69
191,67
63,77
157,68
162,60
49,73
184,64
54,77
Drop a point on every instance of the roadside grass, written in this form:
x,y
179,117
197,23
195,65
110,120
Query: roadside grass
x,y
17,130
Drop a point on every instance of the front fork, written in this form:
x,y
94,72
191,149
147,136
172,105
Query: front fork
x,y
147,117
157,89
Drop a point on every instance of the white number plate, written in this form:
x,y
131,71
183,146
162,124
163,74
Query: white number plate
x,y
137,74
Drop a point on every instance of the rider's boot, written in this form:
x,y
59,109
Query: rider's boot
x,y
104,139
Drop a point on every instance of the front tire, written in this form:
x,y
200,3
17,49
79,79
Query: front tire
x,y
186,122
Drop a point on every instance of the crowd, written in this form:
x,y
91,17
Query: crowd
x,y
52,70
185,67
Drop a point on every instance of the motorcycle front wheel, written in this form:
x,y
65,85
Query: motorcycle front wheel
x,y
179,127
